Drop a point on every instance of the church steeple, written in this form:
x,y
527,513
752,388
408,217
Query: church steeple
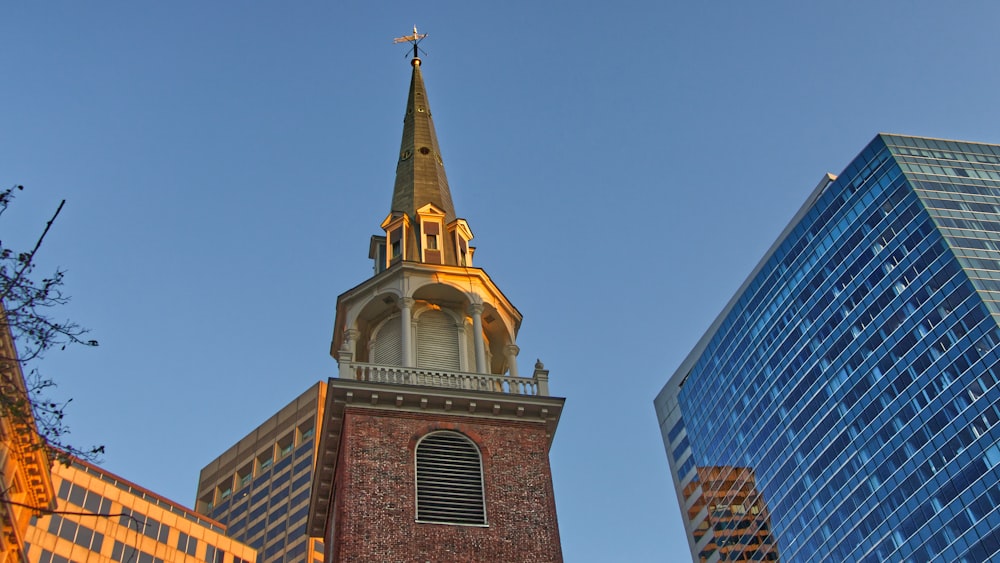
x,y
420,176
428,381
421,226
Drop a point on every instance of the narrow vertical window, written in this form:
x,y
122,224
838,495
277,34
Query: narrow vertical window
x,y
396,243
432,248
450,480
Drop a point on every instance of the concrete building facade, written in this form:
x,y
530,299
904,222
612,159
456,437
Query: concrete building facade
x,y
260,487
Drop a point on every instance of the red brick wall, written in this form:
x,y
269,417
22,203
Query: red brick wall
x,y
376,506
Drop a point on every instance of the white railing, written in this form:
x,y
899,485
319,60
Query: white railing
x,y
538,384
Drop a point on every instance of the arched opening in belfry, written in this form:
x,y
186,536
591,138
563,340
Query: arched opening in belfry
x,y
378,332
439,339
386,345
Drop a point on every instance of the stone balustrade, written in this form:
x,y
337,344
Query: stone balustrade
x,y
538,384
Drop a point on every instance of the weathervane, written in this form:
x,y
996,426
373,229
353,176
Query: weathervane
x,y
414,39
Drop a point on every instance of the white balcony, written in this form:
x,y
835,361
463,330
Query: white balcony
x,y
537,384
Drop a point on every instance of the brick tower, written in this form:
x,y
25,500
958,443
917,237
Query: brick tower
x,y
432,448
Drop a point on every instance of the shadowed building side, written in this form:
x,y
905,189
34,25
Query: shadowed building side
x,y
260,487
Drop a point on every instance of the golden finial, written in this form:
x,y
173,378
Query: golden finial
x,y
414,40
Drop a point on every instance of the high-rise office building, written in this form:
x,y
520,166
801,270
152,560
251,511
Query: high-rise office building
x,y
432,447
101,517
849,388
259,488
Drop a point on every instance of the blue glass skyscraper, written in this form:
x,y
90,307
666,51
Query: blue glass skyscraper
x,y
845,404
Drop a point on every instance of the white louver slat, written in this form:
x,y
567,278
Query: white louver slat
x,y
388,350
450,480
437,342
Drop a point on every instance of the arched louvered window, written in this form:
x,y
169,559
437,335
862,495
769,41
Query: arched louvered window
x,y
387,349
450,480
437,341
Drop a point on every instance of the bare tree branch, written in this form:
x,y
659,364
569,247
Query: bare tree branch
x,y
26,317
29,260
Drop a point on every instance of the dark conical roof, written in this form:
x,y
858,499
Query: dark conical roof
x,y
420,177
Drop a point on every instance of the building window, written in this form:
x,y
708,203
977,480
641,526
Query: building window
x,y
148,526
264,461
463,252
432,246
395,244
306,431
285,446
245,475
125,553
186,544
76,533
214,554
449,480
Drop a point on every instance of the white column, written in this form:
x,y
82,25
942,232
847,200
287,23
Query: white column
x,y
406,330
476,310
463,346
347,354
512,351
351,340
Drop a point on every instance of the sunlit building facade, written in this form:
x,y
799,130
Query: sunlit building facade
x,y
100,517
854,374
260,487
25,482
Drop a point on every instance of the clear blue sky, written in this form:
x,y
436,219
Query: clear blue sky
x,y
623,168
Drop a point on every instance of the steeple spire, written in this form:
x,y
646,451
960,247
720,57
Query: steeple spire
x,y
420,176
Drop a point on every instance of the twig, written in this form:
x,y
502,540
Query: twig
x,y
31,255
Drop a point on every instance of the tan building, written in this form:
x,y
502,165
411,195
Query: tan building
x,y
260,487
101,517
25,482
